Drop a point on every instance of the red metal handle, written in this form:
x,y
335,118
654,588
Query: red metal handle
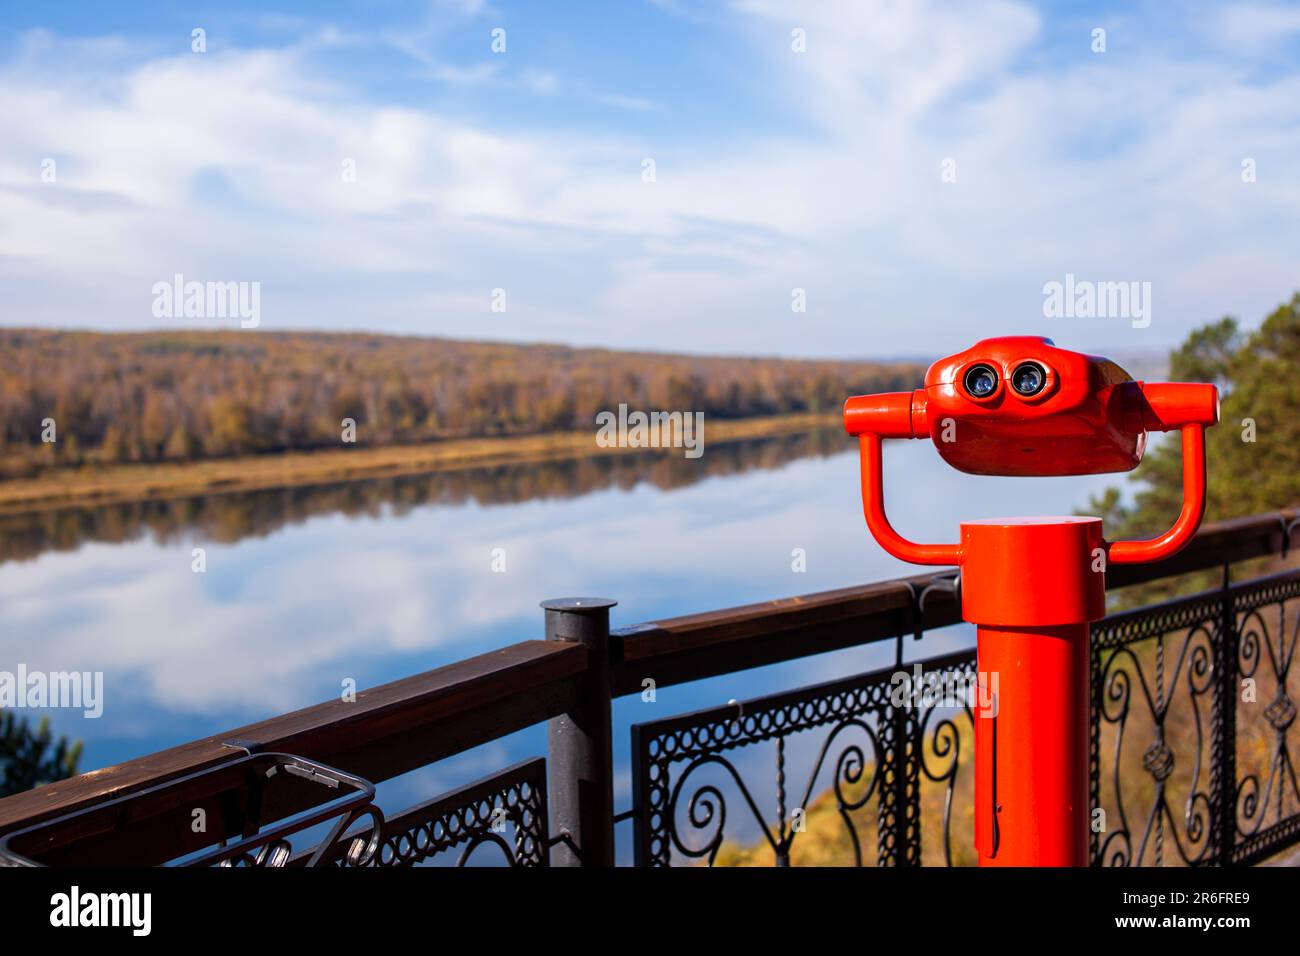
x,y
873,506
891,415
1170,405
1189,519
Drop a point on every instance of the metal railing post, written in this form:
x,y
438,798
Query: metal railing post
x,y
580,742
1223,740
903,798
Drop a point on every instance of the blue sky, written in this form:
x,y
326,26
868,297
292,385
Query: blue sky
x,y
775,169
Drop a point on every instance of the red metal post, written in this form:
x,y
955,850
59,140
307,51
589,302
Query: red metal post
x,y
1032,586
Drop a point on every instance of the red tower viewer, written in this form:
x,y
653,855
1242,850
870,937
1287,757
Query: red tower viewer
x,y
1032,586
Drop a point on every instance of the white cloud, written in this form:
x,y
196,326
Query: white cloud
x,y
870,62
228,165
1253,28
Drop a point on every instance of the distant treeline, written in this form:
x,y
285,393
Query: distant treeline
x,y
154,396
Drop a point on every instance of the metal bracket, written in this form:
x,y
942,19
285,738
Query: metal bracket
x,y
1288,528
939,584
249,747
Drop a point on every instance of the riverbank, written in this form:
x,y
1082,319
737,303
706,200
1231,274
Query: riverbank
x,y
99,485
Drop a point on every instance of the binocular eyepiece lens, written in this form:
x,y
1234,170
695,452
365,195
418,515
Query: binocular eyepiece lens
x,y
1028,378
981,381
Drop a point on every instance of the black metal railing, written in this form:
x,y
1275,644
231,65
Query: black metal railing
x,y
506,811
1226,656
1191,743
869,764
1169,783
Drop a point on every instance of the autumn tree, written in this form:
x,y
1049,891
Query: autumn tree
x,y
184,395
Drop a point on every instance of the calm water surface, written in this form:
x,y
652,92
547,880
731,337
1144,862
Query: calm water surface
x,y
378,580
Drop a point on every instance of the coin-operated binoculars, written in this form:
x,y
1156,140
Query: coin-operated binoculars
x,y
1022,406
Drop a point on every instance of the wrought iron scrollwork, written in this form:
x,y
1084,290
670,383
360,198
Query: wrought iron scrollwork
x,y
1223,645
876,753
945,745
506,811
1266,814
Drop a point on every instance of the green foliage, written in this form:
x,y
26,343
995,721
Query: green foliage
x,y
180,396
1259,378
29,758
1207,354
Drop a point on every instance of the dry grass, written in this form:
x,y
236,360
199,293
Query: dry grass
x,y
61,488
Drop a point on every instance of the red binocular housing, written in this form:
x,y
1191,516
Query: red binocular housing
x,y
1021,406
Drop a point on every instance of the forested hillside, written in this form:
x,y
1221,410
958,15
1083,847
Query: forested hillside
x,y
144,397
